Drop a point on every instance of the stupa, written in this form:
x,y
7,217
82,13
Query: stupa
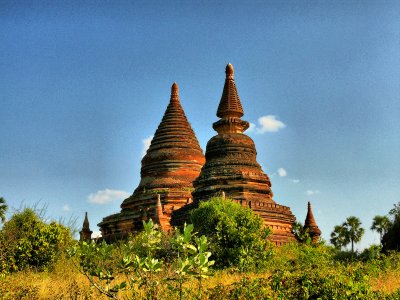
x,y
173,160
311,225
231,167
85,234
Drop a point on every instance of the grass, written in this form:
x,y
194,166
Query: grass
x,y
63,281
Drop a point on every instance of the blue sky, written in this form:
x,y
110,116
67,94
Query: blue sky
x,y
83,85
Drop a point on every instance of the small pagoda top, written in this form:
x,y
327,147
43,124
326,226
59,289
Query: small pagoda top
x,y
85,234
230,108
230,105
86,222
311,224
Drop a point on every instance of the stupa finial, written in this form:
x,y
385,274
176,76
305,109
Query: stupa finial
x,y
174,89
230,109
174,93
86,222
229,71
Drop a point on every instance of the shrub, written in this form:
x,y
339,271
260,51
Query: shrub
x,y
26,241
237,236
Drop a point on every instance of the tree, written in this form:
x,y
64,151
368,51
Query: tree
x,y
395,212
300,233
381,225
391,239
339,237
349,232
27,241
3,209
354,231
237,235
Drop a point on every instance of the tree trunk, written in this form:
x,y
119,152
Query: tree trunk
x,y
352,246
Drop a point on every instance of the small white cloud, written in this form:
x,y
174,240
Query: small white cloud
x,y
96,234
106,196
295,180
269,123
282,172
312,192
66,207
146,144
251,128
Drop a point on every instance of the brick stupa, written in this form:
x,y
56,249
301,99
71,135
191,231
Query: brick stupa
x,y
311,225
173,160
85,234
231,167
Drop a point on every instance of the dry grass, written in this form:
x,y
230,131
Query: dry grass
x,y
386,282
65,282
68,284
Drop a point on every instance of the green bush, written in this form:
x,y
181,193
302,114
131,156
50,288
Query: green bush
x,y
237,236
26,241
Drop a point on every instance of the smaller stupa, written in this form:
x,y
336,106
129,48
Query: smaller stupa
x,y
160,218
85,234
311,225
173,160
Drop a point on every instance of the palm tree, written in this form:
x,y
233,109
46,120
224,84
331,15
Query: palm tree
x,y
354,231
381,225
339,236
395,212
3,209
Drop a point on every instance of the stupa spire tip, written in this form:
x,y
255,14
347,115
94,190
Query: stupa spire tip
x,y
229,70
174,89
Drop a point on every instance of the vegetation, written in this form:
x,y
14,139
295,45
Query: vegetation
x,y
380,224
3,209
349,232
301,234
27,241
237,236
391,240
179,265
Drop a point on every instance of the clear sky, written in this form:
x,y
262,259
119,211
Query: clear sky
x,y
83,85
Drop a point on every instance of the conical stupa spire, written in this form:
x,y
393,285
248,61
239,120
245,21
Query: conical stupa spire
x,y
86,222
230,105
174,93
311,225
159,211
160,218
174,128
173,160
85,233
230,109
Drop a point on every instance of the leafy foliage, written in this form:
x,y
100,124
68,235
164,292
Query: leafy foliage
x,y
3,209
380,224
339,237
349,232
391,240
237,236
105,265
301,234
26,241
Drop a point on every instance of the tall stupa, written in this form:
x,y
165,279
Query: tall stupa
x,y
171,164
231,167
